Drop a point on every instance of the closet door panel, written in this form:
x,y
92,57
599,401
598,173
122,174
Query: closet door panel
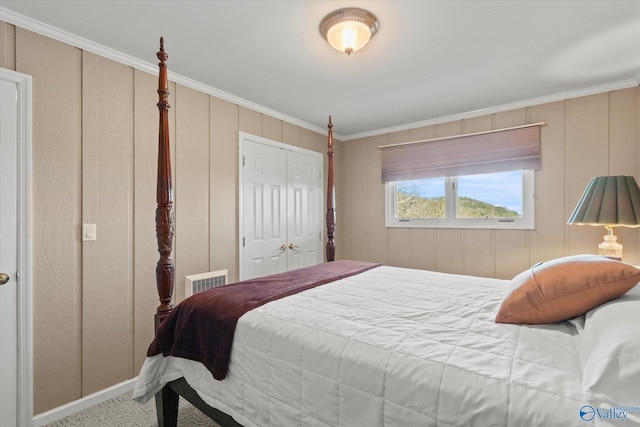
x,y
264,210
282,209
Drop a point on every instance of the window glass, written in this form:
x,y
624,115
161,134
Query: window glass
x,y
493,195
421,198
495,200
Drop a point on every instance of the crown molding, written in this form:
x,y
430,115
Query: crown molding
x,y
73,40
623,84
151,68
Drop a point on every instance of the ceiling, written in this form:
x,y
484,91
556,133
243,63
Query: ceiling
x,y
430,61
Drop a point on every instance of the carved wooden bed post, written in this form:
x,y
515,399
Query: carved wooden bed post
x,y
331,211
165,274
167,398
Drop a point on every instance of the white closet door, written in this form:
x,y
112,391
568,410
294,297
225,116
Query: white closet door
x,y
281,218
304,209
264,209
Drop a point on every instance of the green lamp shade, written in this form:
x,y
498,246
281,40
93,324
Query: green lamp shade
x,y
612,201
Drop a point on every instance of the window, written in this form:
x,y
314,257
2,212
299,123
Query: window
x,y
476,180
501,200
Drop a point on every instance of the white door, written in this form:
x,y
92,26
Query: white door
x,y
304,210
8,256
15,310
281,214
264,204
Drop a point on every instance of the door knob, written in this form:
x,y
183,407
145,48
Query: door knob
x,y
292,246
4,278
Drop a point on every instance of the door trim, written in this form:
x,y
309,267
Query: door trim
x,y
23,84
242,136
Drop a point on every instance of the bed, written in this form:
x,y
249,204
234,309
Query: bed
x,y
376,345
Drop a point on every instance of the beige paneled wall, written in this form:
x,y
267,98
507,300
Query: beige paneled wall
x,y
583,137
191,185
223,211
57,211
107,201
95,137
7,46
549,241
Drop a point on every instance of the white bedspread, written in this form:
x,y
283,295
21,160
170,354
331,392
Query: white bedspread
x,y
389,347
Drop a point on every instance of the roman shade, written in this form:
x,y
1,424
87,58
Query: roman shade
x,y
516,148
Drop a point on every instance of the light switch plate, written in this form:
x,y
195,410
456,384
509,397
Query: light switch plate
x,y
88,232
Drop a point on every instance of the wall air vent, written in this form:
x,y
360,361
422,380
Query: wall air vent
x,y
196,283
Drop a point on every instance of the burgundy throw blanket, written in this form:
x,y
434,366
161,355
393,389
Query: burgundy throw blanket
x,y
201,328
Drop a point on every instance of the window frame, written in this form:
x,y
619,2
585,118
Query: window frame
x,y
527,222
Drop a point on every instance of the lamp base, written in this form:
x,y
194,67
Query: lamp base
x,y
610,247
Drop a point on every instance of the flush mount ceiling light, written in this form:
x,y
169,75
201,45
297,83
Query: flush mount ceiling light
x,y
348,30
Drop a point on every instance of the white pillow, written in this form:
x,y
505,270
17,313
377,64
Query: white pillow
x,y
611,352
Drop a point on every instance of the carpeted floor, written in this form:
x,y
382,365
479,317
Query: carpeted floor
x,y
121,411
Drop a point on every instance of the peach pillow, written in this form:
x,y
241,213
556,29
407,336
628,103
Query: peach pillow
x,y
564,288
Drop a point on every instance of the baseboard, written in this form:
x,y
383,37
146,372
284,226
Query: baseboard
x,y
86,402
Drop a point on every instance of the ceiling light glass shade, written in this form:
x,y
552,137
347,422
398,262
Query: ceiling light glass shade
x,y
609,201
349,30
